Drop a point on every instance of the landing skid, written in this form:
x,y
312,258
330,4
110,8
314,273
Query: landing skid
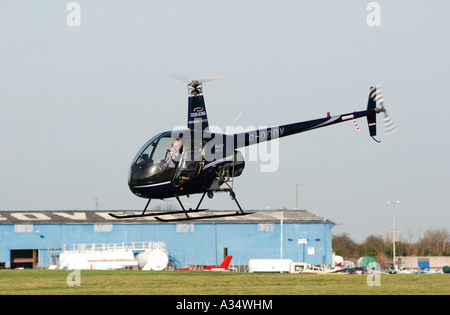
x,y
185,212
204,217
151,214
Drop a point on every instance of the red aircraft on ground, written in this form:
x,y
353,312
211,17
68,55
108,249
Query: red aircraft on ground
x,y
222,267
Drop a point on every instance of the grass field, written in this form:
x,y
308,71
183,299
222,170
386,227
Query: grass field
x,y
135,282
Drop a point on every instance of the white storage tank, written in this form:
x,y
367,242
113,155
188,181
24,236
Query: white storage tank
x,y
97,260
156,259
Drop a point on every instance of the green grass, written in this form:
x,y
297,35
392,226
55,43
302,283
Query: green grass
x,y
48,282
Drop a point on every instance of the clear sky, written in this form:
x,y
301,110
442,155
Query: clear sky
x,y
77,102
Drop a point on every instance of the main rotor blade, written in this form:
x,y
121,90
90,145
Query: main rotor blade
x,y
185,79
209,79
180,77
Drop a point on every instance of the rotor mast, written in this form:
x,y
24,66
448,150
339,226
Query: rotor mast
x,y
195,88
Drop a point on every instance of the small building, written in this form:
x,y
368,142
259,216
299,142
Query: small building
x,y
32,239
423,262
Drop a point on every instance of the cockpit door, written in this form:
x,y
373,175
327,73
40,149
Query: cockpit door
x,y
189,166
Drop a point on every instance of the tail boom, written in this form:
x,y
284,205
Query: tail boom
x,y
267,134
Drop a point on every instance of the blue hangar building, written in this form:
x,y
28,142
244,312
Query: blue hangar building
x,y
29,238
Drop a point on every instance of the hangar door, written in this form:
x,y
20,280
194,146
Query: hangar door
x,y
423,263
24,258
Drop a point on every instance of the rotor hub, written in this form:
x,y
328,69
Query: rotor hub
x,y
195,88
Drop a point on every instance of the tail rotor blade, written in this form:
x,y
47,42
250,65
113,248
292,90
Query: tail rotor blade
x,y
389,125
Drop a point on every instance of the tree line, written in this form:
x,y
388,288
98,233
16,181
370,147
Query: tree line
x,y
434,242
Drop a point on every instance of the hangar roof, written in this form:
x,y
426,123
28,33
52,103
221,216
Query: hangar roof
x,y
99,217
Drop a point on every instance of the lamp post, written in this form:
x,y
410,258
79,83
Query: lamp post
x,y
296,195
393,230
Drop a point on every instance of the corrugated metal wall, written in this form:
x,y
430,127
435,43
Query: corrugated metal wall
x,y
190,243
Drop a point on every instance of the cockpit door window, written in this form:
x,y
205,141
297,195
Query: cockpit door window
x,y
190,164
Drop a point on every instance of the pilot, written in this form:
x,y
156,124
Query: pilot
x,y
174,154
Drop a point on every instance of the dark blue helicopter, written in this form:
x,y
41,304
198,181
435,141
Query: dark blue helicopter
x,y
196,161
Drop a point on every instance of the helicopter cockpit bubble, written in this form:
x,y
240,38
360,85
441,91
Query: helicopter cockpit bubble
x,y
156,160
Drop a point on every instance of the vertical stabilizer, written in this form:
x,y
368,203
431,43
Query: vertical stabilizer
x,y
226,262
371,117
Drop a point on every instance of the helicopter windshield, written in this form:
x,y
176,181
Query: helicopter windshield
x,y
157,160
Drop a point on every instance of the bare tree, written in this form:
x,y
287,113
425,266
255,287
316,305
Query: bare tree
x,y
436,240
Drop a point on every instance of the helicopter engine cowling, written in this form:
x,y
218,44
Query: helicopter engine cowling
x,y
232,168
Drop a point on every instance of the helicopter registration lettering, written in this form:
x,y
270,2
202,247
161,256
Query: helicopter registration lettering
x,y
265,135
197,121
